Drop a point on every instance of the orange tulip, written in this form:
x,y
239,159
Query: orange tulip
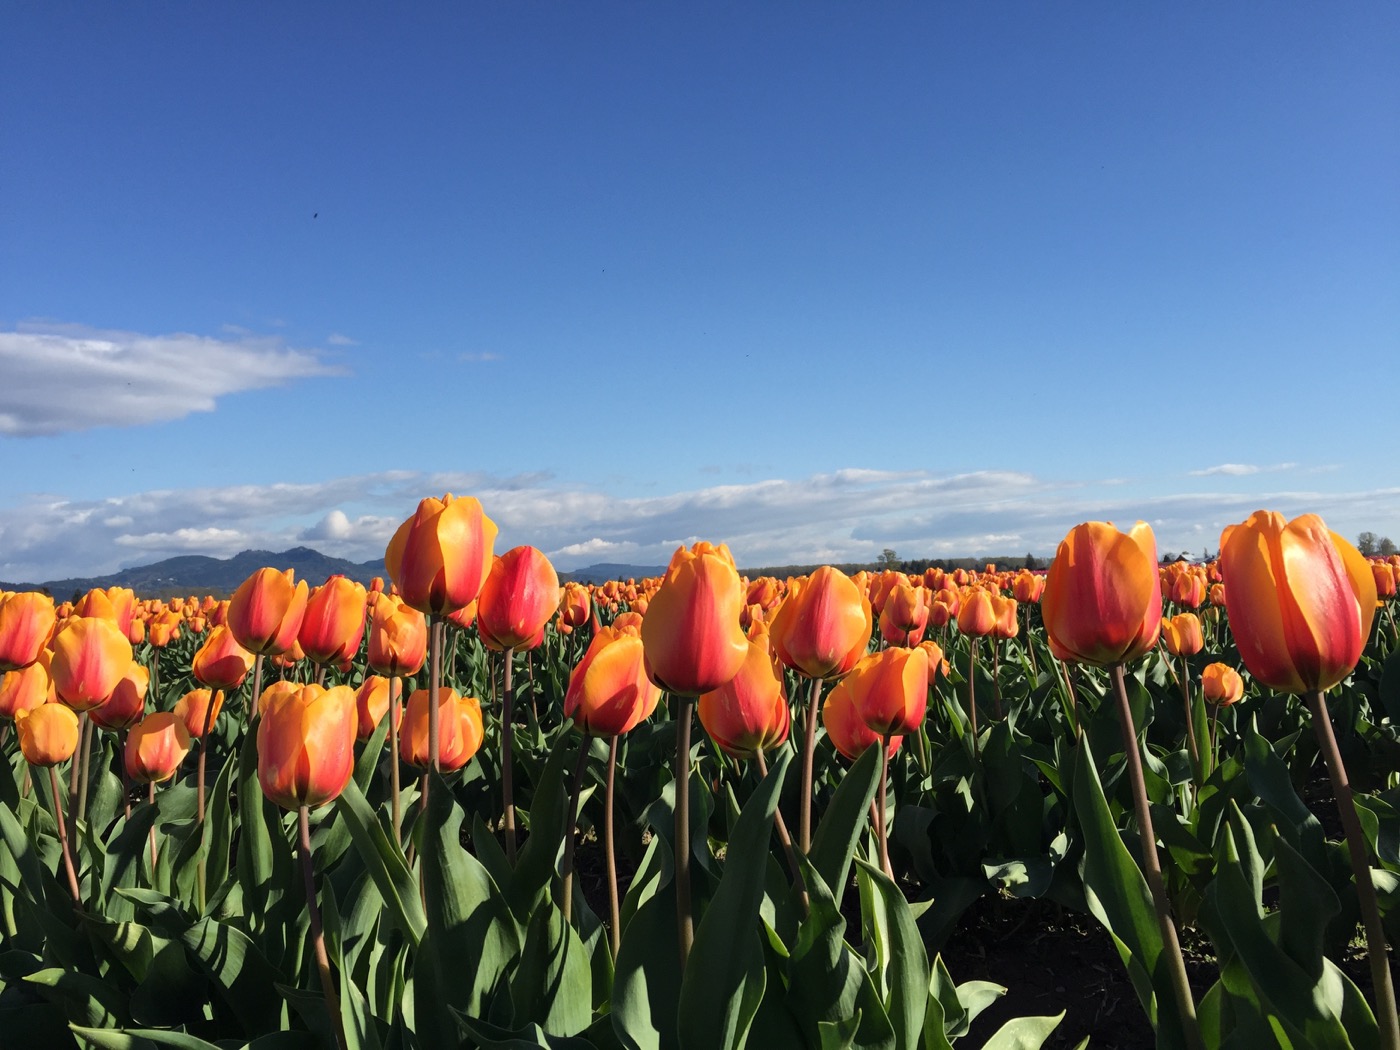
x,y
271,692
461,730
1221,684
848,732
976,616
48,734
371,705
440,556
823,627
221,662
609,691
334,623
90,656
306,746
198,708
265,612
155,748
164,629
127,703
575,606
1188,589
749,713
1103,596
690,633
1299,598
398,637
27,621
519,597
1385,576
1028,586
1007,626
890,690
1181,634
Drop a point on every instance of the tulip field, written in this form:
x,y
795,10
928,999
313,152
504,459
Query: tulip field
x,y
466,806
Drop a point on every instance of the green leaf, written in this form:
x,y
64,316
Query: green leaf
x,y
834,843
899,954
647,983
384,862
492,1037
84,998
1023,1033
553,986
246,981
538,863
725,975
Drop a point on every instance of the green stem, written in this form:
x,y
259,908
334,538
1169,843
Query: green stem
x,y
614,904
1191,743
1152,868
972,695
685,921
318,938
1376,949
395,787
507,746
63,841
884,812
786,839
809,747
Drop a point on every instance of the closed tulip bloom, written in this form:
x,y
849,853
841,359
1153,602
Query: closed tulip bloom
x,y
27,622
334,623
937,662
690,633
1188,589
1181,634
890,690
609,691
1028,586
977,617
265,612
1221,684
398,637
200,707
127,703
575,606
156,748
26,688
1299,598
749,713
48,734
1103,596
274,690
520,596
306,746
371,705
221,662
440,556
846,729
1007,626
1385,579
90,656
163,629
823,626
460,729
1217,594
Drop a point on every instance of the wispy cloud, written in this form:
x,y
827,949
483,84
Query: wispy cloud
x,y
478,358
336,339
1241,470
125,379
846,515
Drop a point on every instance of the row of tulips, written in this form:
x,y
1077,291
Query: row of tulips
x,y
1298,602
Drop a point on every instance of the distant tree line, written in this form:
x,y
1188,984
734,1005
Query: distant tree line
x,y
1371,545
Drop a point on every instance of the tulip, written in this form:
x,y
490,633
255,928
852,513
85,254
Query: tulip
x,y
691,631
890,690
519,597
575,606
976,615
48,734
26,688
609,691
1385,579
306,746
221,662
163,629
90,656
1188,589
846,729
1103,597
1299,598
371,705
461,735
1028,586
1181,634
275,690
27,621
749,713
199,709
266,611
1221,684
439,557
127,703
156,747
334,622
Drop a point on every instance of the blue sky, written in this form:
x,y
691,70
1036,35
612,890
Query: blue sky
x,y
812,279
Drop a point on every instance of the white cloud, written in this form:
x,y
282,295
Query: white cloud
x,y
336,339
1240,470
845,515
477,359
60,379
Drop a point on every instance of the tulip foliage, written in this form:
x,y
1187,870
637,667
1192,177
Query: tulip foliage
x,y
972,737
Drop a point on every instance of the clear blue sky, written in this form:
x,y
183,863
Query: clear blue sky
x,y
813,279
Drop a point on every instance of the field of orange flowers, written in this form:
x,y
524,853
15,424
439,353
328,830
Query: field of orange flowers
x,y
340,816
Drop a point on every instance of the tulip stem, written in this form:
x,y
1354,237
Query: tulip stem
x,y
786,839
996,677
201,869
972,695
884,812
75,765
1152,868
256,701
63,841
507,767
396,803
1191,743
84,750
1376,949
318,937
685,922
567,867
1073,702
151,797
434,684
809,747
614,905
155,678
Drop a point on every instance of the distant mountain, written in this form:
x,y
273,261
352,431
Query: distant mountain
x,y
199,574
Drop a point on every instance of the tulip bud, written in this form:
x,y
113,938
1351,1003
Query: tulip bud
x,y
1181,634
334,622
221,662
749,713
26,688
127,703
1103,596
890,690
155,748
844,727
823,626
1221,684
609,691
440,556
519,596
306,746
690,633
460,729
27,622
976,615
199,708
265,612
48,734
371,704
90,656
